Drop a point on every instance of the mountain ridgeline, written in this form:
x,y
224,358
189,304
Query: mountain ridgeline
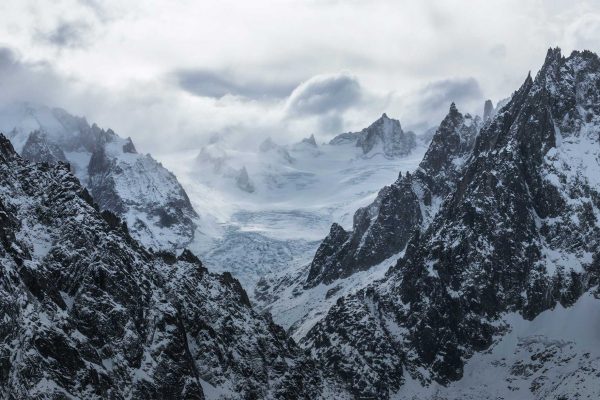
x,y
89,313
134,186
384,136
517,231
382,229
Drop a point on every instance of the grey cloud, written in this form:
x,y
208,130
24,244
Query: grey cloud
x,y
8,59
323,94
425,108
442,93
99,9
207,83
70,34
31,82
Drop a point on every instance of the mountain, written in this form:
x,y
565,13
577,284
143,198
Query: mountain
x,y
383,228
516,236
90,313
266,206
132,185
383,136
347,261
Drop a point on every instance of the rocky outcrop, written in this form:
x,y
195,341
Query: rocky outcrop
x,y
383,136
89,313
243,181
518,232
383,228
132,185
488,110
37,149
310,141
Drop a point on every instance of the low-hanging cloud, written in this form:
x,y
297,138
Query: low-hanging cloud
x,y
26,81
206,83
441,93
323,94
71,34
425,107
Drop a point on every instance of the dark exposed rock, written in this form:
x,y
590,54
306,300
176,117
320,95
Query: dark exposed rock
x,y
523,195
243,181
89,314
383,228
488,110
128,147
131,185
310,141
37,149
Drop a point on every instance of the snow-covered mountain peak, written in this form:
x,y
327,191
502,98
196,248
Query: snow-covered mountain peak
x,y
517,231
135,186
384,136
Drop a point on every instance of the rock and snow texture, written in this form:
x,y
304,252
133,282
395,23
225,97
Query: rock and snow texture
x,y
134,186
383,228
346,262
296,192
518,233
384,136
554,356
91,314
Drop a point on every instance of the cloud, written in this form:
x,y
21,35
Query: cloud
x,y
583,32
72,34
173,74
498,51
213,84
425,107
27,81
442,93
323,94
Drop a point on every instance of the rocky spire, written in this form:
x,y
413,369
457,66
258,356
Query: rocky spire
x,y
310,141
488,110
243,181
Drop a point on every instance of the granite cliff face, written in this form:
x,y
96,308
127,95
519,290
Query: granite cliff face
x,y
517,233
134,186
90,313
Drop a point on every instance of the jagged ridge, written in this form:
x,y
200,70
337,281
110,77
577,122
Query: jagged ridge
x,y
89,313
519,233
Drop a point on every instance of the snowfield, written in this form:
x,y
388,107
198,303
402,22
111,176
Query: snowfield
x,y
299,191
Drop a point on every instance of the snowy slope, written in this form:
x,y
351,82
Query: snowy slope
x,y
135,186
298,192
555,356
347,262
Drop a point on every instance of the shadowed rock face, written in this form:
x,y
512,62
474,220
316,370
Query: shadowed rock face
x,y
89,313
517,232
383,228
488,110
132,185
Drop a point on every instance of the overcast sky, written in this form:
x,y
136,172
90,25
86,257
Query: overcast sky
x,y
172,73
